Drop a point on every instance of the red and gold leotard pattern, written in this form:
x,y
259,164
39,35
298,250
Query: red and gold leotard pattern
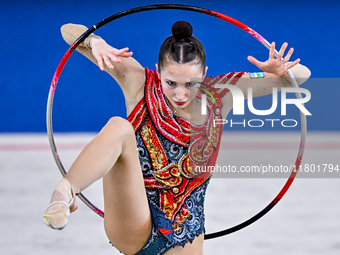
x,y
173,151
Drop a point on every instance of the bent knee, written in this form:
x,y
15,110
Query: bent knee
x,y
120,127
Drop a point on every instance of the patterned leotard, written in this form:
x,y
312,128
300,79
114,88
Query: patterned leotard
x,y
171,152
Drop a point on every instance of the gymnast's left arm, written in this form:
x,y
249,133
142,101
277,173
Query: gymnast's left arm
x,y
274,73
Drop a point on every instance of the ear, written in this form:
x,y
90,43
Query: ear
x,y
157,69
205,73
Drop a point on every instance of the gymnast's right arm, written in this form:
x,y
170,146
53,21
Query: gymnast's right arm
x,y
128,73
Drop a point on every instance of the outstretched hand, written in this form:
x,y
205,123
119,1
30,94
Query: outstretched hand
x,y
276,65
104,53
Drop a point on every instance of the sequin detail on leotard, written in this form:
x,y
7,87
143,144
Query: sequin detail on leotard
x,y
170,149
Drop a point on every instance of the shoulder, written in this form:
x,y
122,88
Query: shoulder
x,y
151,76
151,82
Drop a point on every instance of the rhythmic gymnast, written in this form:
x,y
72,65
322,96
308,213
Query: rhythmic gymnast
x,y
153,198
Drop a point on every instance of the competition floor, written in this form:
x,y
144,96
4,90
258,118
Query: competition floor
x,y
305,222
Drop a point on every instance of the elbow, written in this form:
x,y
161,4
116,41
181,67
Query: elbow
x,y
301,73
65,27
70,32
65,33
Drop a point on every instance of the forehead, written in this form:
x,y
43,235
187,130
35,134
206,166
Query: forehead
x,y
181,72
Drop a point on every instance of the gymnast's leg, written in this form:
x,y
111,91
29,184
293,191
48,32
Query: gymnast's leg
x,y
112,155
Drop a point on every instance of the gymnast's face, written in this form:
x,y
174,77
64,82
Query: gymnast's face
x,y
180,82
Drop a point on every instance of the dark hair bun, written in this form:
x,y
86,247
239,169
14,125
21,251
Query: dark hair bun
x,y
181,30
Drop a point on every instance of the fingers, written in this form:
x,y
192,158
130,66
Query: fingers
x,y
287,57
123,52
254,61
290,65
100,63
276,64
272,51
112,56
282,51
126,54
289,54
108,62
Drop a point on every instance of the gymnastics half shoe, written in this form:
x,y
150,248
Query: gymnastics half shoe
x,y
58,220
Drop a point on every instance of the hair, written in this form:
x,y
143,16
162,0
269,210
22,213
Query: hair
x,y
181,47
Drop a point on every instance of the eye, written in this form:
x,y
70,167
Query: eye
x,y
171,83
191,84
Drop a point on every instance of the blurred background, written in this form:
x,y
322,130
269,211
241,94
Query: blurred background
x,y
305,222
86,98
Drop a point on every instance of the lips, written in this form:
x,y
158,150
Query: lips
x,y
179,103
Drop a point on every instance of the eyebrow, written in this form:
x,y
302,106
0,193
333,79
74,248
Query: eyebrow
x,y
191,81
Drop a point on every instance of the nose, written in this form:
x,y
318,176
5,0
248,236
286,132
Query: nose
x,y
180,93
